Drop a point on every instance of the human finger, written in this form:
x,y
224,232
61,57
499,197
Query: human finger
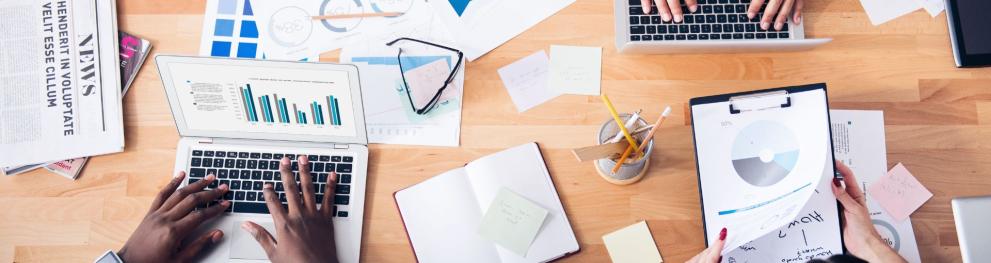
x,y
189,252
664,10
783,13
328,192
167,191
852,186
769,12
274,204
196,218
797,11
675,7
716,250
646,6
754,8
306,182
692,5
189,203
185,191
289,181
849,204
261,235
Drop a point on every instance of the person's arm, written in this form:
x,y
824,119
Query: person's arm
x,y
305,233
172,218
859,234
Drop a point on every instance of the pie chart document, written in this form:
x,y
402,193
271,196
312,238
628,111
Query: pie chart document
x,y
761,156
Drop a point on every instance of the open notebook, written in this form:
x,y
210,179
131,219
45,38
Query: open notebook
x,y
442,214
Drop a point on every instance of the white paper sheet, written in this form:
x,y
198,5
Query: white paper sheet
x,y
526,81
388,115
881,11
859,142
289,32
60,69
934,7
576,70
485,25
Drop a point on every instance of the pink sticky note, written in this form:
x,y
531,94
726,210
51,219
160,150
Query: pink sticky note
x,y
899,193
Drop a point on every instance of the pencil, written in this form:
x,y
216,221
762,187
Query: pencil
x,y
622,159
358,15
619,122
650,135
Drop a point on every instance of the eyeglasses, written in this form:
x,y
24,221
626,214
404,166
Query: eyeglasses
x,y
435,99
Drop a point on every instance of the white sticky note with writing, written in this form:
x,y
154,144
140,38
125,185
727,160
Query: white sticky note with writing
x,y
512,221
899,193
424,82
576,70
632,244
526,81
881,11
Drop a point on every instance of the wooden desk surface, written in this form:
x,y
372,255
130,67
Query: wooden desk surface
x,y
937,119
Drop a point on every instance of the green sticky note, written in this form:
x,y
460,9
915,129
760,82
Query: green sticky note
x,y
512,221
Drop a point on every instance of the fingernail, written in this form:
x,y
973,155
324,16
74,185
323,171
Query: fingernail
x,y
722,234
751,15
217,235
248,228
645,10
778,26
210,177
836,182
666,17
693,8
223,187
225,203
267,186
797,19
285,160
677,19
765,25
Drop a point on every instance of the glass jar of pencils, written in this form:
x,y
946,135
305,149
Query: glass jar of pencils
x,y
635,165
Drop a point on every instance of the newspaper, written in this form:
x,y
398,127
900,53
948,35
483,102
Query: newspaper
x,y
59,81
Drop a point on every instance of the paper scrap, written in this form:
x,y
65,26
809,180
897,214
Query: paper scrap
x,y
881,11
899,193
934,7
632,244
526,81
576,70
512,221
424,82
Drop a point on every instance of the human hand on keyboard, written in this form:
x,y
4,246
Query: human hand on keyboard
x,y
172,219
774,11
305,233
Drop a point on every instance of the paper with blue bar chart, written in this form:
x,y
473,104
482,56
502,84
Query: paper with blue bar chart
x,y
231,29
254,99
758,168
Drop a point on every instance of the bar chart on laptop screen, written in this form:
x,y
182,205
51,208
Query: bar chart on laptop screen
x,y
253,100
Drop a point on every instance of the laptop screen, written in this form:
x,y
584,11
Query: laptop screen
x,y
248,98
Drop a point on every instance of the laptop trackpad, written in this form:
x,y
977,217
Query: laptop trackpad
x,y
244,245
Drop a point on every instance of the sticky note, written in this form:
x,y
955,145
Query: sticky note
x,y
526,81
512,221
899,193
632,244
576,70
424,82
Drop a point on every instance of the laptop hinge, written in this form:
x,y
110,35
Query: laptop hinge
x,y
341,146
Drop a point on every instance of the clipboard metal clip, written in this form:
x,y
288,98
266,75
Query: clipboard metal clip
x,y
759,101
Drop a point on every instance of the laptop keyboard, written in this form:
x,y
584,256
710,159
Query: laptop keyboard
x,y
713,20
247,172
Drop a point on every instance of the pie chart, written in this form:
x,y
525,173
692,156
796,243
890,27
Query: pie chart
x,y
764,153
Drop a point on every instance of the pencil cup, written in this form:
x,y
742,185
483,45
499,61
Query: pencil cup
x,y
631,171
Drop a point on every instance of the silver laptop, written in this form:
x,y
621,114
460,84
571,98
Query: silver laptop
x,y
971,215
238,118
716,26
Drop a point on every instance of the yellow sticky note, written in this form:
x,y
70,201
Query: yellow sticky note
x,y
632,244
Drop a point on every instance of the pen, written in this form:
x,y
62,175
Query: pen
x,y
358,15
650,135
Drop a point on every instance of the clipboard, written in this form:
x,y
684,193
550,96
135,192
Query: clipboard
x,y
768,140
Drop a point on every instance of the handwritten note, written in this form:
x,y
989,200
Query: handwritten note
x,y
576,70
424,82
632,244
899,193
526,81
512,221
